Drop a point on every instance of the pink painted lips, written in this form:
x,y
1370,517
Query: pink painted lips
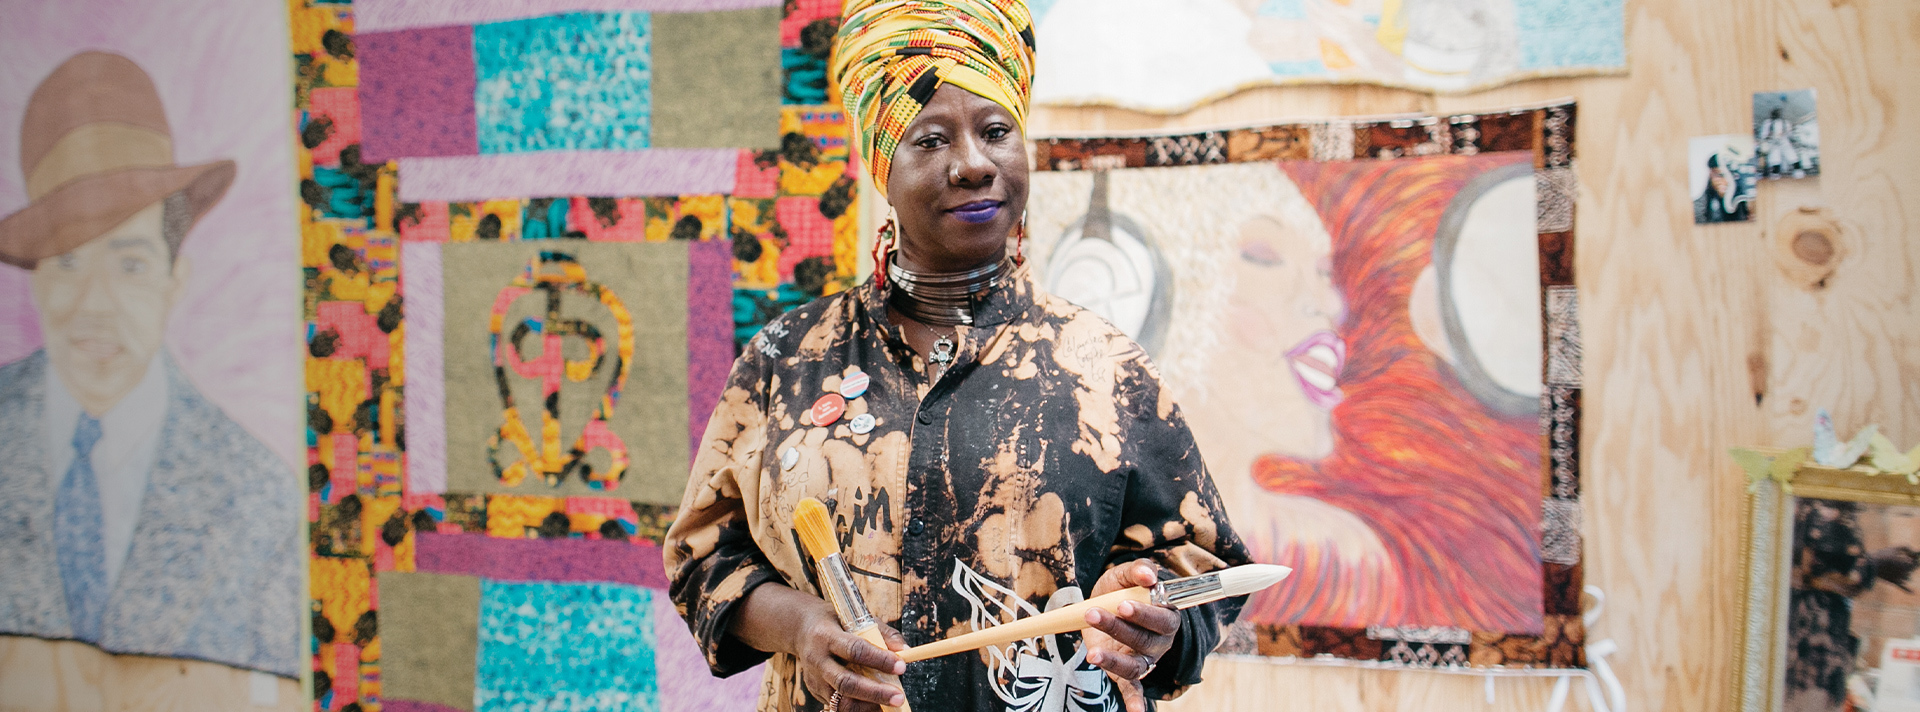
x,y
1316,363
978,211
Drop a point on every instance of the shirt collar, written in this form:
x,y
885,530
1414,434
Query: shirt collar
x,y
142,410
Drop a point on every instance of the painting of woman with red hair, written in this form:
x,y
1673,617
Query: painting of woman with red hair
x,y
1357,347
1436,438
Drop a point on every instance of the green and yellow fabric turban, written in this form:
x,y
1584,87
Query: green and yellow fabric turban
x,y
891,55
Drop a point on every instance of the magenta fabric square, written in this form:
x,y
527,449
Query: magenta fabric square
x,y
709,332
809,232
392,705
416,93
634,563
752,181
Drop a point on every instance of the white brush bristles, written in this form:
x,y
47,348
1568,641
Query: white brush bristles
x,y
1242,580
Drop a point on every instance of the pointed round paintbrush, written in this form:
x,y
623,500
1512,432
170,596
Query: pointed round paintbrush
x,y
811,522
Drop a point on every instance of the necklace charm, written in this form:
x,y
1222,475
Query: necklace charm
x,y
943,351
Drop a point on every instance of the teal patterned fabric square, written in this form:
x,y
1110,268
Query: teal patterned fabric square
x,y
565,647
578,81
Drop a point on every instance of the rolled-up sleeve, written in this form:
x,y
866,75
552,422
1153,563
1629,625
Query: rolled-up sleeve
x,y
712,560
1174,516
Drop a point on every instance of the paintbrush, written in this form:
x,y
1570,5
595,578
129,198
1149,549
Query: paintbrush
x,y
810,521
1175,593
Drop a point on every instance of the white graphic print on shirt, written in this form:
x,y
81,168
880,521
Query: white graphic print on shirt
x,y
1033,675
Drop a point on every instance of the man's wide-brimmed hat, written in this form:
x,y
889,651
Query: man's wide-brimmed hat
x,y
95,149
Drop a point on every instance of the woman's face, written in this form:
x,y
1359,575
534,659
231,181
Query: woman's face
x,y
1722,181
1285,308
958,183
1272,382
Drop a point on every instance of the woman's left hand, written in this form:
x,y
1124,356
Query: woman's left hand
x,y
1127,646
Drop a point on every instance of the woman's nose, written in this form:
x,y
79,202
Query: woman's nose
x,y
971,165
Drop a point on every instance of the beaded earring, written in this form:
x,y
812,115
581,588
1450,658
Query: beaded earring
x,y
882,247
1020,242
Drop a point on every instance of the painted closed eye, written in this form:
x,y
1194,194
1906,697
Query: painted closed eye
x,y
133,265
1262,253
67,262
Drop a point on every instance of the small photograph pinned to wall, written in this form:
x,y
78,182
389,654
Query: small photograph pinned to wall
x,y
1721,175
1786,133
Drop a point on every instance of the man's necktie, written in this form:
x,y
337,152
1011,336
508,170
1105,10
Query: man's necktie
x,y
77,526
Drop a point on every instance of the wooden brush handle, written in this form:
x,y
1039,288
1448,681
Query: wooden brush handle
x,y
872,635
1060,620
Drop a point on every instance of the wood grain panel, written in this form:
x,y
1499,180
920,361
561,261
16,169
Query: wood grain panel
x,y
1682,324
64,676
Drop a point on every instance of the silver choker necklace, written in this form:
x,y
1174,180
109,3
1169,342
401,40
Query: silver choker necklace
x,y
942,299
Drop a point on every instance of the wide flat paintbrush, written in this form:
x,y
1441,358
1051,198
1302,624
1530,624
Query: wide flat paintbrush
x,y
810,521
1176,593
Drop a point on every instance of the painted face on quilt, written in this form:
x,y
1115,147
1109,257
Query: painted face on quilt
x,y
103,308
1284,309
958,182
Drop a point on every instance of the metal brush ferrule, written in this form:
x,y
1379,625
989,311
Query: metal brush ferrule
x,y
1188,592
846,599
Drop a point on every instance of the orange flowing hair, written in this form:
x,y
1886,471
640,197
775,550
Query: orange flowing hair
x,y
1451,488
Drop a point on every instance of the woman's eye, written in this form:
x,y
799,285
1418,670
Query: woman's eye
x,y
933,141
67,262
133,265
997,132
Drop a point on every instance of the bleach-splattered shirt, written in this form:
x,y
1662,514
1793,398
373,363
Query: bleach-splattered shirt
x,y
1047,453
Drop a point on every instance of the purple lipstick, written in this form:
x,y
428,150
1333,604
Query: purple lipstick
x,y
978,211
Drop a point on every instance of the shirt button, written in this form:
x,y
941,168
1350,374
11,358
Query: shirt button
x,y
916,527
926,419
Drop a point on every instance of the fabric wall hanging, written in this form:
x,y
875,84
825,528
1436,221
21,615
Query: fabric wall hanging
x,y
1163,57
149,362
528,269
1372,328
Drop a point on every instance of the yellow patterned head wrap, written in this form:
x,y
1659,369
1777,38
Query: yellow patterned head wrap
x,y
891,55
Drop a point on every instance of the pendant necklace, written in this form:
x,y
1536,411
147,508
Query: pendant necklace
x,y
942,355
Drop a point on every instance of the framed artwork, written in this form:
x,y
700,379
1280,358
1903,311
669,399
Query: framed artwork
x,y
1831,618
1323,297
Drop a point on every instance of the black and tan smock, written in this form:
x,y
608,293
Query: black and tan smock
x,y
1047,453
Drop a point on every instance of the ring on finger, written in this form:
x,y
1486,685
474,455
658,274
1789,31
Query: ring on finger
x,y
1147,665
833,702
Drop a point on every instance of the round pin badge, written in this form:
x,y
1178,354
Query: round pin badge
x,y
828,409
861,424
789,458
855,385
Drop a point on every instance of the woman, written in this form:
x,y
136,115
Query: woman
x,y
1720,201
988,451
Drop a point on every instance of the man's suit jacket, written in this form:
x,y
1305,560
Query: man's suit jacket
x,y
213,573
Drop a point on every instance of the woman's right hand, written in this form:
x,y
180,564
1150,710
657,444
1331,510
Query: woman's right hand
x,y
775,618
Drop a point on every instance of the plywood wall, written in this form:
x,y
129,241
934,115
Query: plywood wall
x,y
64,676
1683,325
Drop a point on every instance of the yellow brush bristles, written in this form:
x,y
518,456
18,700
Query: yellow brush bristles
x,y
816,529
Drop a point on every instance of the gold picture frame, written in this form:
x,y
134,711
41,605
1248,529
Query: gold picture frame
x,y
1767,542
